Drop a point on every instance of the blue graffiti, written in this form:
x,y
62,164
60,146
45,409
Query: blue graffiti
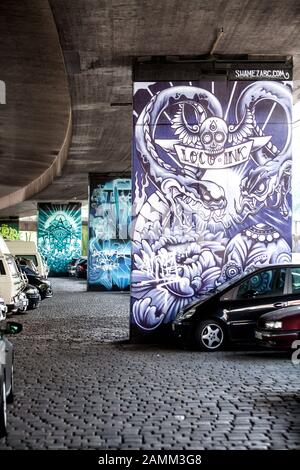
x,y
109,264
212,189
109,257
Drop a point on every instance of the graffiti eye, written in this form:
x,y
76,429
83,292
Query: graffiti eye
x,y
206,137
261,188
219,136
206,196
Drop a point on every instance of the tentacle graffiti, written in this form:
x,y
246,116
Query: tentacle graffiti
x,y
212,170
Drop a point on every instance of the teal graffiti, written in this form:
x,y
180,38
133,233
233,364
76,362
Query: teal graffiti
x,y
59,234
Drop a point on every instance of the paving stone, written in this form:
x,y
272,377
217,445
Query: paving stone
x,y
80,385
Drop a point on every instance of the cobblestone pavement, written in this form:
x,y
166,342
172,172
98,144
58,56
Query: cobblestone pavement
x,y
80,385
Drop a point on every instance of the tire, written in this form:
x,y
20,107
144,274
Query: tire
x,y
3,416
22,311
36,305
210,335
10,396
49,293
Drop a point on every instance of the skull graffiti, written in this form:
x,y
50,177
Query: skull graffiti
x,y
213,135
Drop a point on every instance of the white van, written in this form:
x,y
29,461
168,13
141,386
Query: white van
x,y
12,282
28,250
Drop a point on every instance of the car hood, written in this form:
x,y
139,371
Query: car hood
x,y
283,313
39,279
201,299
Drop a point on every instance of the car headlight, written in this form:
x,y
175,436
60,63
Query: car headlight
x,y
187,314
273,324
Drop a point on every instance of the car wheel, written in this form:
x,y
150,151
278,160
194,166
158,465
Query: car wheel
x,y
49,292
22,311
210,335
10,396
3,418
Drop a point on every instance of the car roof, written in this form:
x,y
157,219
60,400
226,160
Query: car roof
x,y
276,265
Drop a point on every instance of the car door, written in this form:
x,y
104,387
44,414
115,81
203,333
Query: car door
x,y
263,291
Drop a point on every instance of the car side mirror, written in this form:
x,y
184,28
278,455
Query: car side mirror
x,y
12,328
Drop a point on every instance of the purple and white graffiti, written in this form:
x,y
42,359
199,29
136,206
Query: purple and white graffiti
x,y
212,190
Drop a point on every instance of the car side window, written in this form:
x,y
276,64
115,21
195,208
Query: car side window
x,y
295,280
2,270
263,284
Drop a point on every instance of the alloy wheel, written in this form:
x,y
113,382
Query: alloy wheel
x,y
212,336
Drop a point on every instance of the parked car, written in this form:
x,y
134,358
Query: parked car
x,y
12,283
28,250
26,262
81,268
33,295
43,285
278,330
3,310
71,268
229,313
6,367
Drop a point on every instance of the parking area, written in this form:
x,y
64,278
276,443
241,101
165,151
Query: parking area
x,y
79,384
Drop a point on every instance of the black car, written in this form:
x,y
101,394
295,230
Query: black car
x,y
229,313
43,285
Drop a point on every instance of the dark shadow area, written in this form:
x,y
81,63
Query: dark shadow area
x,y
259,354
148,346
246,351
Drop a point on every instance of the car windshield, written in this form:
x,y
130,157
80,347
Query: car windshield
x,y
28,257
12,266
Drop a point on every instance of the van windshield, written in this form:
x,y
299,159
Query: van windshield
x,y
12,266
30,257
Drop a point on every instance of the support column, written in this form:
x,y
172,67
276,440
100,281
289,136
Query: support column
x,y
109,248
59,235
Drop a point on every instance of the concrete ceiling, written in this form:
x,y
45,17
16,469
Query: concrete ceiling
x,y
36,120
100,38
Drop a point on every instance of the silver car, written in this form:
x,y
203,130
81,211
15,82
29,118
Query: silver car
x,y
6,365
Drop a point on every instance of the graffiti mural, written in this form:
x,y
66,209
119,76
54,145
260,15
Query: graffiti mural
x,y
59,234
212,189
9,229
109,256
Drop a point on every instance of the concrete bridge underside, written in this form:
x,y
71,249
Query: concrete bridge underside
x,y
97,41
